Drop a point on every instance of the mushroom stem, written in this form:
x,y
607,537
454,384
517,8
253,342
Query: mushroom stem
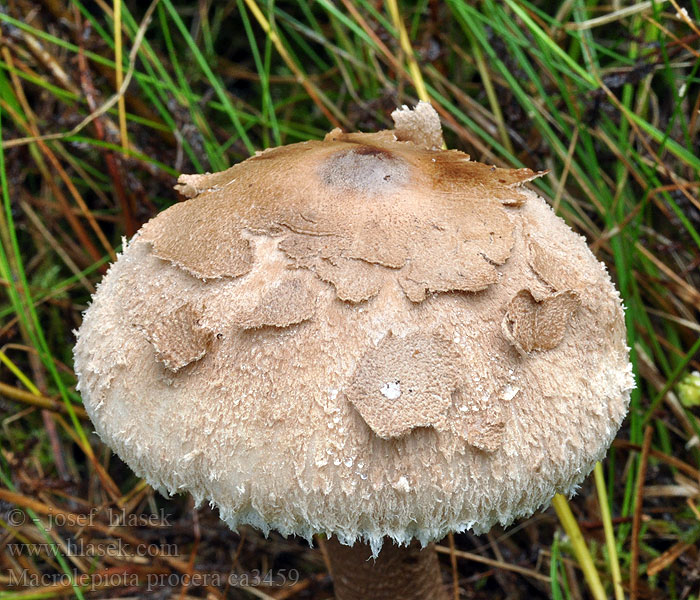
x,y
406,572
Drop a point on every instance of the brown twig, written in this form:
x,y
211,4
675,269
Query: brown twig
x,y
453,565
671,460
130,225
637,517
667,558
39,401
75,224
495,563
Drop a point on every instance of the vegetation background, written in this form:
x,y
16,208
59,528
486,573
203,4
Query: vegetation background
x,y
103,103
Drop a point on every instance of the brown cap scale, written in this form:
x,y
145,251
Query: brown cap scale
x,y
365,336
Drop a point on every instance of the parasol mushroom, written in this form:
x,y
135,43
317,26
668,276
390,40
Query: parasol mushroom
x,y
367,337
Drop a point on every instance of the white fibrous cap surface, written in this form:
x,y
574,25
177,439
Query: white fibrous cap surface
x,y
365,336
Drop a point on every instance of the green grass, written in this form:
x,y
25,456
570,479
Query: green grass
x,y
611,110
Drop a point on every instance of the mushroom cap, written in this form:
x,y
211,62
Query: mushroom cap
x,y
364,336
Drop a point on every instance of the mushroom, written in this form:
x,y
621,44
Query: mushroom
x,y
366,337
